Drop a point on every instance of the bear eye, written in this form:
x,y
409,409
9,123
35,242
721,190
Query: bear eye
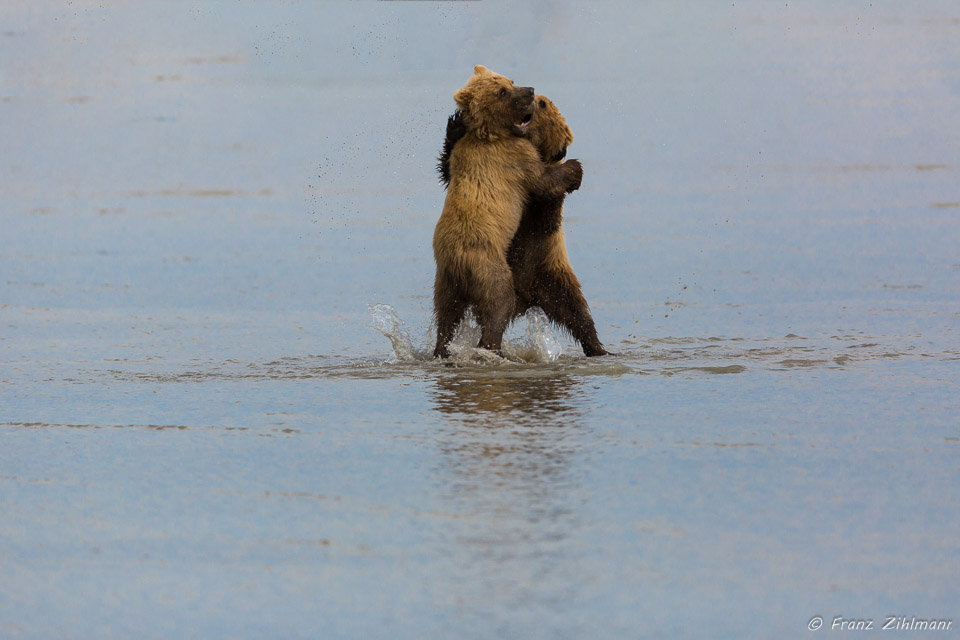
x,y
543,105
502,92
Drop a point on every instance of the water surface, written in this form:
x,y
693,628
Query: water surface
x,y
206,430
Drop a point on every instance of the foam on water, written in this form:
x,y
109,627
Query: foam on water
x,y
537,344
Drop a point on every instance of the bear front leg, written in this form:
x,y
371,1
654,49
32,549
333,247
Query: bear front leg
x,y
557,179
456,129
448,308
558,294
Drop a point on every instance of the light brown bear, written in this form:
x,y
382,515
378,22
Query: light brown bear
x,y
494,172
537,257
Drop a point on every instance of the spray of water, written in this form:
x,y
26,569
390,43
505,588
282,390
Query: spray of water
x,y
537,344
386,321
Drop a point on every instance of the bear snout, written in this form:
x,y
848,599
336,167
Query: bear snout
x,y
523,94
523,98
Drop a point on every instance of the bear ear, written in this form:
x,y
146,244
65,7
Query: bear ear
x,y
462,97
480,70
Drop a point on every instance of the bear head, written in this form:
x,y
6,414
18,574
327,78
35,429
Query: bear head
x,y
548,131
493,106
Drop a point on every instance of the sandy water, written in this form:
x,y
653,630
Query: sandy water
x,y
217,417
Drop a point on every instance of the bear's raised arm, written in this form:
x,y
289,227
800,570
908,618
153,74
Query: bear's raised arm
x,y
456,129
556,180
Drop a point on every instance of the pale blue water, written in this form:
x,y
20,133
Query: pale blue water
x,y
204,434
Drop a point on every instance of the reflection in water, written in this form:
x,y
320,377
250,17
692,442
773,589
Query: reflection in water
x,y
508,433
515,397
509,447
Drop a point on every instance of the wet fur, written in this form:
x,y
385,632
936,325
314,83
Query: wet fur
x,y
537,255
493,173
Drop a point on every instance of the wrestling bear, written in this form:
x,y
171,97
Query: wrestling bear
x,y
537,256
493,173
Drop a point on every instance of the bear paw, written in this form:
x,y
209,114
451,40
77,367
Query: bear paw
x,y
574,175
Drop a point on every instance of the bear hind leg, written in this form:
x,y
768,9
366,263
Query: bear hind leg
x,y
449,305
559,295
493,324
494,306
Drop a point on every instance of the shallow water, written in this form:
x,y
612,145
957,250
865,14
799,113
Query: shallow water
x,y
217,411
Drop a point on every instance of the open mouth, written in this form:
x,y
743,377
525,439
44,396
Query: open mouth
x,y
522,124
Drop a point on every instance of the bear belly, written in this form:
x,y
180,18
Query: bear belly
x,y
489,219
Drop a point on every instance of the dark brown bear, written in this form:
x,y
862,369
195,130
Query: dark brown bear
x,y
537,257
493,172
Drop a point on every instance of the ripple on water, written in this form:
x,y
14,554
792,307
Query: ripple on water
x,y
533,351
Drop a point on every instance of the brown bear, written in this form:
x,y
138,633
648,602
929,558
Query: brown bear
x,y
537,257
493,172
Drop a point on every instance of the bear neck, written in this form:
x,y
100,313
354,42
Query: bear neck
x,y
480,129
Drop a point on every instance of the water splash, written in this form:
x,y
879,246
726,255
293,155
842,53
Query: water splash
x,y
537,344
386,321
